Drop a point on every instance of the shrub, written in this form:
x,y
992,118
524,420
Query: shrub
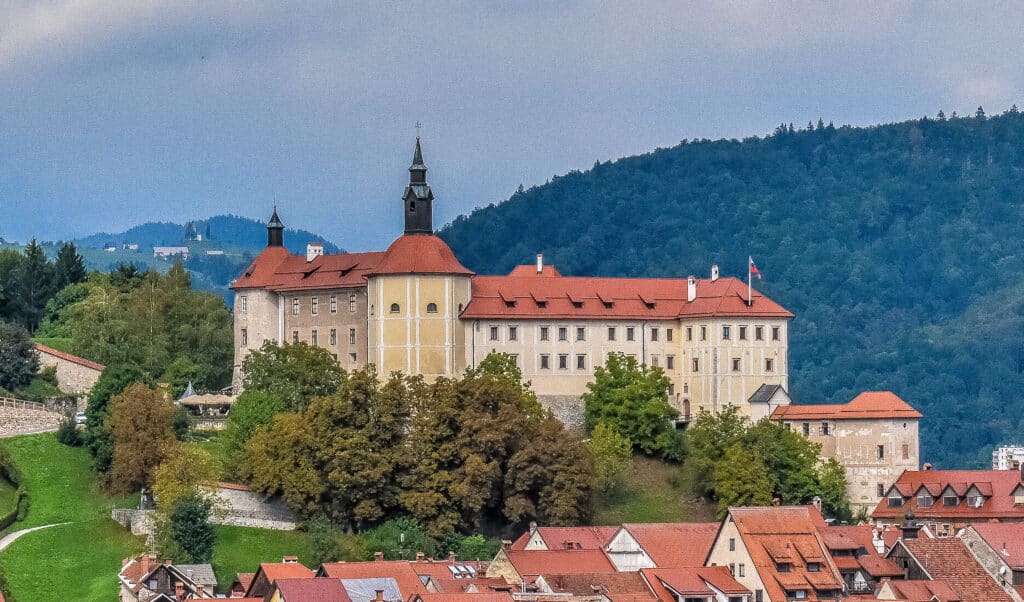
x,y
68,433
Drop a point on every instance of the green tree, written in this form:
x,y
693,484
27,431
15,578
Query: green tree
x,y
832,489
96,436
398,539
32,285
294,372
707,439
740,480
142,431
179,374
251,411
323,539
55,317
613,456
185,468
633,399
477,547
19,360
790,459
69,267
191,529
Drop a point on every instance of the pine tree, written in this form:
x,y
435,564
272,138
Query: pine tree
x,y
69,268
32,286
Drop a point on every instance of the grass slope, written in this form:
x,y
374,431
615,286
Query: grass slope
x,y
7,491
77,561
242,549
652,493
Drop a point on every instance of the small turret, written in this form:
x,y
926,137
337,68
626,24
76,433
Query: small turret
x,y
418,198
275,231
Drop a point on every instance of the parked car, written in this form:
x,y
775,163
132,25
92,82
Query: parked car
x,y
79,417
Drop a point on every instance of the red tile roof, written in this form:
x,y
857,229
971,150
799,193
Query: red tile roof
x,y
999,505
923,591
400,570
278,270
312,590
614,585
524,294
787,534
462,597
870,404
580,538
858,537
419,254
271,572
949,560
674,545
74,359
560,562
686,582
1006,539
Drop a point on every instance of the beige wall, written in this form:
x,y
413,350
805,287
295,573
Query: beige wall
x,y
71,377
854,443
412,339
257,320
721,556
501,567
715,383
350,355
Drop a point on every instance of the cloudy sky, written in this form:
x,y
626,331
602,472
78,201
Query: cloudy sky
x,y
113,113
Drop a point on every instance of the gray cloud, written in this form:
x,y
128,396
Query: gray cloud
x,y
115,113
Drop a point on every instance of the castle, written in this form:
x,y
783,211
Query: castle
x,y
415,308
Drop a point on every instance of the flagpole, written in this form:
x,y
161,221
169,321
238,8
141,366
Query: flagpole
x,y
750,262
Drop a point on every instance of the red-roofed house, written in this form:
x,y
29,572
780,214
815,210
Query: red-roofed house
x,y
948,500
415,308
401,571
519,566
613,586
948,559
74,374
778,553
707,584
309,589
855,552
269,572
874,437
564,538
661,545
999,549
917,591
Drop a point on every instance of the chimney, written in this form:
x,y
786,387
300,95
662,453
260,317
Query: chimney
x,y
179,591
714,272
776,502
378,595
378,556
533,527
419,556
540,263
199,590
691,289
816,502
506,544
168,562
451,556
927,466
144,561
290,560
314,250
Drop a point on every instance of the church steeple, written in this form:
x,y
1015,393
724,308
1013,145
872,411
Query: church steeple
x,y
418,199
275,231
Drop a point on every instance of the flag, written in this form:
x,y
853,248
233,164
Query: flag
x,y
753,269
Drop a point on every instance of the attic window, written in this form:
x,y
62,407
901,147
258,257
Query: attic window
x,y
649,304
395,309
412,206
577,304
925,500
895,499
608,304
431,308
783,567
950,500
541,304
510,303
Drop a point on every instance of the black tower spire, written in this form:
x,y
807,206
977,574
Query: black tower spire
x,y
418,199
275,231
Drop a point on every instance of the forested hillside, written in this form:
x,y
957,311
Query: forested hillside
x,y
900,248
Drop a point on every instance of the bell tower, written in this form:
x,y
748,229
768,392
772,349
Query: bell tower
x,y
275,231
418,199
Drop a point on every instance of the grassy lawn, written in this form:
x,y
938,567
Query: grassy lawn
x,y
242,549
651,494
77,561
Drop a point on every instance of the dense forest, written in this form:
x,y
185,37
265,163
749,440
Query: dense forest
x,y
900,248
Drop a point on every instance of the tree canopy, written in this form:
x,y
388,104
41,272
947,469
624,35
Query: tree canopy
x,y
19,360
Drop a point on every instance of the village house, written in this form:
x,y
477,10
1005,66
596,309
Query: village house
x,y
638,546
999,549
564,538
144,579
269,572
75,375
874,437
415,308
710,584
948,500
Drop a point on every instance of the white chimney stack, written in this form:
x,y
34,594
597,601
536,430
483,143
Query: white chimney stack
x,y
691,289
714,272
313,250
540,263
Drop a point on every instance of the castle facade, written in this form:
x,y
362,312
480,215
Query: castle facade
x,y
415,308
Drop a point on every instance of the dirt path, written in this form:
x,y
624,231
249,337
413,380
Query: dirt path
x,y
11,537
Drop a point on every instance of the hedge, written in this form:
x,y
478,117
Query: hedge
x,y
9,471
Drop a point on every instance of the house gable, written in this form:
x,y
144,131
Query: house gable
x,y
626,553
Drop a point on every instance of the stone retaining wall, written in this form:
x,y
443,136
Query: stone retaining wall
x,y
567,408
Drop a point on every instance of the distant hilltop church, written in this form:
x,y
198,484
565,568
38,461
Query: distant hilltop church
x,y
415,308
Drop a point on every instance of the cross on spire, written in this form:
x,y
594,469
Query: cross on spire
x,y
418,126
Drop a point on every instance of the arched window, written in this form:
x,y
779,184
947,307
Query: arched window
x,y
431,308
394,308
412,206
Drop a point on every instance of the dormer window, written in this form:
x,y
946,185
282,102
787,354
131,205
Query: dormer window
x,y
950,499
783,567
925,499
577,304
895,499
975,499
813,567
